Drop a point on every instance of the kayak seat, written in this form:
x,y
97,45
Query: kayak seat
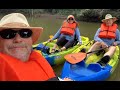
x,y
44,48
80,70
100,52
94,67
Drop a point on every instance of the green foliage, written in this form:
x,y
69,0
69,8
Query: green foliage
x,y
88,15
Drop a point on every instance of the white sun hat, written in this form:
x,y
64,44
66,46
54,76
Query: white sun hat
x,y
109,16
19,21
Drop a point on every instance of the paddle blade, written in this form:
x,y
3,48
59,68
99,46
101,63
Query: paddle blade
x,y
75,57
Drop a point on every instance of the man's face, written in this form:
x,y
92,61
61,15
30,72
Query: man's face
x,y
17,47
109,22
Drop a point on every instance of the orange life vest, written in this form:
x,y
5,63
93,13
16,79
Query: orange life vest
x,y
68,28
35,69
108,31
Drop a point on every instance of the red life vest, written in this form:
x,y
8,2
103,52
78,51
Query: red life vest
x,y
68,28
108,31
35,69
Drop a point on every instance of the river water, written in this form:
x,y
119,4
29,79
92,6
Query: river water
x,y
52,24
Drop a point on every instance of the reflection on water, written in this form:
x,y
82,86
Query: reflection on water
x,y
51,25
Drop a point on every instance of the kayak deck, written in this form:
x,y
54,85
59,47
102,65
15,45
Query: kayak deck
x,y
88,69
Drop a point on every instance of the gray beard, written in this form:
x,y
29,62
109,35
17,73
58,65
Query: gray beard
x,y
23,57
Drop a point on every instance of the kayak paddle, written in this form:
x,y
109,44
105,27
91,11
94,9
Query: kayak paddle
x,y
74,58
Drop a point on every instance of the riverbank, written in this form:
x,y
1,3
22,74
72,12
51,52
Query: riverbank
x,y
84,19
86,15
50,16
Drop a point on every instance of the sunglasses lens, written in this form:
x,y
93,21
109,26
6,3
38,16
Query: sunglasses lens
x,y
7,33
70,18
25,33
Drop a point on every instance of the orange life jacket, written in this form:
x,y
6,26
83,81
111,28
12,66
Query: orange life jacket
x,y
35,69
108,31
68,28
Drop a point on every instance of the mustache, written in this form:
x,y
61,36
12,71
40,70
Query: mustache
x,y
23,45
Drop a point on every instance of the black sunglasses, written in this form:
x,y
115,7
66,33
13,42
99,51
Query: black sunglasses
x,y
10,33
70,19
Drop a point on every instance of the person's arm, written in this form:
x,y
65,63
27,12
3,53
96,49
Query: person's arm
x,y
96,37
77,32
117,37
56,35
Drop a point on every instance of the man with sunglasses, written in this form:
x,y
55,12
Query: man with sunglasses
x,y
18,61
68,35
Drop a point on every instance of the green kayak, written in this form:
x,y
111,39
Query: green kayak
x,y
57,57
96,56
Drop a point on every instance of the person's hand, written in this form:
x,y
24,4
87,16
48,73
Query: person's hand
x,y
104,45
49,40
67,79
114,44
79,44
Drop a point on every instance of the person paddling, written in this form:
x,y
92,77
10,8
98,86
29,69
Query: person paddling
x,y
67,35
107,35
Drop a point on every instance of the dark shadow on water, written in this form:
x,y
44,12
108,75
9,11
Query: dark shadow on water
x,y
58,69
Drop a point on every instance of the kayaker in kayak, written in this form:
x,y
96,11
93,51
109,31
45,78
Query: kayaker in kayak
x,y
107,35
18,61
67,35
